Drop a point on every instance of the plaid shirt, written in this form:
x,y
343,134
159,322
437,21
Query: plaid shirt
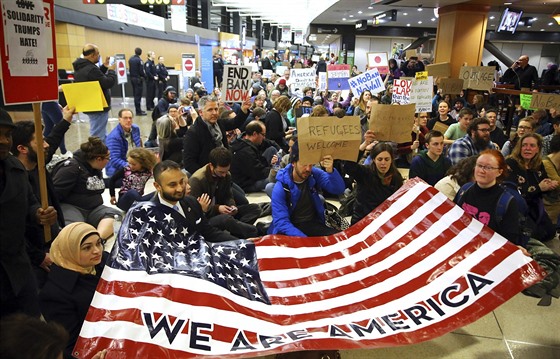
x,y
464,147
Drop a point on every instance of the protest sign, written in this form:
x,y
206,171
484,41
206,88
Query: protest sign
x,y
322,81
440,126
370,80
74,94
525,101
267,74
236,86
401,91
545,101
422,93
442,69
301,78
421,75
320,136
451,86
280,69
378,60
337,77
477,77
392,123
411,53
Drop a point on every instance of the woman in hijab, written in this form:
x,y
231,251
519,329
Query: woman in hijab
x,y
78,259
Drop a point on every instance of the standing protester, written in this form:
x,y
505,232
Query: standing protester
x,y
162,75
151,80
137,75
218,65
85,69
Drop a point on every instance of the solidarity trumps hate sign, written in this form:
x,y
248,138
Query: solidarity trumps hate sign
x,y
236,86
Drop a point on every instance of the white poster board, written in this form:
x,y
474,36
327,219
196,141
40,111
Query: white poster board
x,y
236,86
370,80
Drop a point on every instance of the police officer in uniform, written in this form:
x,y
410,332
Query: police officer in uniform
x,y
151,80
162,75
136,66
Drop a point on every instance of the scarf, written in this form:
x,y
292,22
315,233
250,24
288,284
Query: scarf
x,y
65,249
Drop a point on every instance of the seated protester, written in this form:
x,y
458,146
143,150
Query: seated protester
x,y
162,108
477,100
481,198
387,98
526,170
442,116
78,184
457,106
249,167
430,165
365,96
78,260
173,194
198,94
542,126
291,114
274,95
258,114
283,88
125,136
551,164
214,180
375,182
134,176
525,126
459,129
276,123
259,101
406,150
284,160
555,121
339,112
475,141
352,106
456,177
496,133
171,131
297,208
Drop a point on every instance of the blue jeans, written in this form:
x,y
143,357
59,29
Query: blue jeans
x,y
51,113
98,124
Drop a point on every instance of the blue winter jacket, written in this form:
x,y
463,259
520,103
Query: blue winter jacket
x,y
281,211
118,148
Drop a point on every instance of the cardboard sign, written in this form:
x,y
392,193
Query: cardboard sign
x,y
320,136
301,78
188,65
442,69
370,80
322,81
337,77
401,91
236,86
477,77
120,61
545,101
267,74
28,57
74,93
392,123
440,126
422,93
525,101
451,86
378,60
411,53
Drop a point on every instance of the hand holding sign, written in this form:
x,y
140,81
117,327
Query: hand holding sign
x,y
327,163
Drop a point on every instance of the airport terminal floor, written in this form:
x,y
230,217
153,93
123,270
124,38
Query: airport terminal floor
x,y
518,329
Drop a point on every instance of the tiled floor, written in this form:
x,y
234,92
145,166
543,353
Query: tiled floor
x,y
518,329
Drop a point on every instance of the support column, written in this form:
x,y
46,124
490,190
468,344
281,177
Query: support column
x,y
205,13
460,35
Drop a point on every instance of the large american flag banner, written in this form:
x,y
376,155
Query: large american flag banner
x,y
415,268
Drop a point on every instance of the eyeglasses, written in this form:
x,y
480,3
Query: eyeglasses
x,y
484,130
486,168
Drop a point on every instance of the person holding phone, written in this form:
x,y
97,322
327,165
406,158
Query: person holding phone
x,y
521,74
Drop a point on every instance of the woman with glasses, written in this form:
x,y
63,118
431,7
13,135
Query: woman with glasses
x,y
480,199
78,260
525,126
78,184
528,173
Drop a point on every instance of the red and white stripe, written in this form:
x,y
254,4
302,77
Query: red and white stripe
x,y
408,250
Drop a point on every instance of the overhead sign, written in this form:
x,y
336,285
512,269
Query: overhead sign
x,y
370,80
286,34
236,86
322,30
28,52
120,62
131,16
361,25
188,65
298,37
338,76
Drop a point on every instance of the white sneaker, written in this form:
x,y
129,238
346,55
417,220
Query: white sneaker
x,y
68,154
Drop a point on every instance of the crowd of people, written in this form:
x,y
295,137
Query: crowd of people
x,y
211,154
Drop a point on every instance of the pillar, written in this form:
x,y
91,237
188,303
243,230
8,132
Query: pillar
x,y
460,35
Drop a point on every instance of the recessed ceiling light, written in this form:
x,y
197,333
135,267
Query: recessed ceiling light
x,y
419,22
420,9
492,17
508,3
351,16
343,19
550,23
370,7
407,24
360,12
542,29
535,18
405,13
433,19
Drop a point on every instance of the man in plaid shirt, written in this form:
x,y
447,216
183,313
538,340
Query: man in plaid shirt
x,y
475,141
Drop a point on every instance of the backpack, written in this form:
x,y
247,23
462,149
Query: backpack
x,y
511,193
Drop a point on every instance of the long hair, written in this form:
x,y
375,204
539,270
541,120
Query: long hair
x,y
385,147
463,171
535,162
94,148
144,157
362,102
282,104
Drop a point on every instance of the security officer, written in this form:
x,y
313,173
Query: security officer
x,y
151,80
137,76
163,76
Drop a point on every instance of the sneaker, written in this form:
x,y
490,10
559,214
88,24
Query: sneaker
x,y
67,155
